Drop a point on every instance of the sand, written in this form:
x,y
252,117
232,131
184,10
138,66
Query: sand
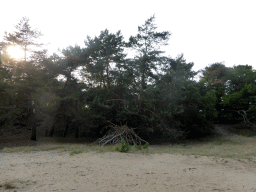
x,y
114,171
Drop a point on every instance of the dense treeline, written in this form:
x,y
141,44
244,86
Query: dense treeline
x,y
155,94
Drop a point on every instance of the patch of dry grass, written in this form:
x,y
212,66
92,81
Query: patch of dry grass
x,y
235,147
8,185
13,183
238,147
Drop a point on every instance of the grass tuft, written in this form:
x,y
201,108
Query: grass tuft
x,y
138,147
54,148
74,152
8,185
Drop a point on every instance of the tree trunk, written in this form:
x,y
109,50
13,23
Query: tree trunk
x,y
77,132
33,136
66,128
108,81
51,131
32,124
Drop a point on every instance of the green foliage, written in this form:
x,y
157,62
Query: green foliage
x,y
124,147
178,104
240,99
243,99
234,90
215,74
138,147
147,44
103,50
146,145
238,76
149,92
221,141
209,101
25,75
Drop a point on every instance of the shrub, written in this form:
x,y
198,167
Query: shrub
x,y
125,147
138,147
146,145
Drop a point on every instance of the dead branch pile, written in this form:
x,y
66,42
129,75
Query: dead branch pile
x,y
116,133
246,123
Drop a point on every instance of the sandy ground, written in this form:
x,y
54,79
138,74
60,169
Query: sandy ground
x,y
114,171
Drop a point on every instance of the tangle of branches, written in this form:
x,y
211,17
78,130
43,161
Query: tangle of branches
x,y
116,133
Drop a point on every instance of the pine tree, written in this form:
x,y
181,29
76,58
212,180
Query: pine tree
x,y
147,44
25,73
105,52
24,37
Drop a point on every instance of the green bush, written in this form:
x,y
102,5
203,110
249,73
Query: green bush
x,y
138,147
146,145
125,147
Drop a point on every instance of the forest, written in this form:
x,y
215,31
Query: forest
x,y
98,91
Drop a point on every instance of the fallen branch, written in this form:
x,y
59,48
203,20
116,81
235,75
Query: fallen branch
x,y
116,133
246,123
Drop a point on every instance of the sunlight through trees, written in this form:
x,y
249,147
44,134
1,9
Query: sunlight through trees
x,y
150,94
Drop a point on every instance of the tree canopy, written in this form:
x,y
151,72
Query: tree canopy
x,y
147,95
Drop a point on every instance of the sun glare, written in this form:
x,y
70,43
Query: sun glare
x,y
15,52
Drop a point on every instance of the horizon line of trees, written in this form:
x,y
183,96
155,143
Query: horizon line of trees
x,y
155,94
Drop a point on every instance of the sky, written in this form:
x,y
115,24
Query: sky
x,y
205,31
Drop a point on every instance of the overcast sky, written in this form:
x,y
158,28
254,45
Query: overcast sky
x,y
206,31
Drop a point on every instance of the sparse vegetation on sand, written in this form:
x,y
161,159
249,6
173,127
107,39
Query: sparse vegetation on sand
x,y
237,147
